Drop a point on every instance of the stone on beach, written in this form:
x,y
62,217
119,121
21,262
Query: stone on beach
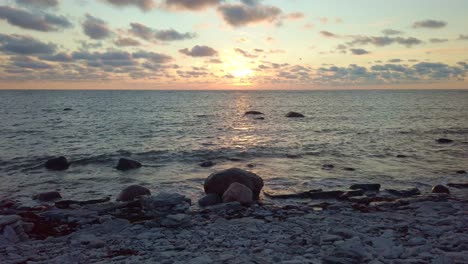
x,y
165,203
444,140
253,113
131,192
440,189
294,114
47,196
366,187
238,192
209,199
58,164
127,164
207,164
219,182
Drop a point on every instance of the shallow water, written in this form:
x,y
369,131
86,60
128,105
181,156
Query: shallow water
x,y
170,132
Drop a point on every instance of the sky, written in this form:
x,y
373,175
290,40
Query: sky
x,y
233,44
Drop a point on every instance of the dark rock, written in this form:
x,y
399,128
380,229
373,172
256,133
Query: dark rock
x,y
253,113
131,192
404,193
294,114
259,118
325,195
127,164
250,165
209,199
458,185
349,169
440,189
58,164
292,156
444,140
401,156
64,204
312,194
219,182
461,172
47,196
366,187
207,164
327,167
67,109
349,194
238,192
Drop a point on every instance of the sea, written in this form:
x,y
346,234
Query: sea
x,y
386,136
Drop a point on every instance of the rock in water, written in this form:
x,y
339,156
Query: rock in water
x,y
327,167
209,199
207,164
58,164
294,114
238,192
366,187
67,109
127,164
259,118
461,172
219,182
253,113
47,196
440,189
131,192
444,140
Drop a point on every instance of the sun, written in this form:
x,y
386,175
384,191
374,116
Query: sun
x,y
241,73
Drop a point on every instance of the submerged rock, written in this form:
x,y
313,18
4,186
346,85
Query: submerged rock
x,y
127,164
444,140
294,114
238,192
58,164
366,187
401,156
67,109
404,193
349,169
209,199
253,113
131,192
440,189
219,182
207,164
47,196
461,172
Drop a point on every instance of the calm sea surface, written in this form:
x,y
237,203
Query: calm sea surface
x,y
171,132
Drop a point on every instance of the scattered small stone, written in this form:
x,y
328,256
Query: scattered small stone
x,y
127,164
253,113
58,164
47,196
132,192
366,187
294,114
444,140
207,164
440,189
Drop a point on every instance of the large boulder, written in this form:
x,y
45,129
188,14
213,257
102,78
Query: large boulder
x,y
47,196
58,164
440,189
238,192
294,114
219,182
127,164
131,192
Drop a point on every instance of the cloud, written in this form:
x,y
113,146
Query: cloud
x,y
199,51
437,40
215,61
384,41
191,4
40,22
59,57
25,45
390,32
462,37
359,51
429,24
395,60
328,34
150,34
29,63
118,58
144,5
294,16
246,53
152,56
241,15
96,28
39,3
125,42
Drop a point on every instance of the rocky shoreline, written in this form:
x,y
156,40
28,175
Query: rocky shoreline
x,y
360,225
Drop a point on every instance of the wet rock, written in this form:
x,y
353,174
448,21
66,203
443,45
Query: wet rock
x,y
58,164
325,195
440,189
404,193
349,194
349,169
207,164
259,118
444,140
366,187
47,196
131,192
165,203
219,182
253,113
294,114
250,165
175,220
8,219
328,167
64,204
67,109
292,156
458,185
461,172
238,192
401,156
210,199
127,164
